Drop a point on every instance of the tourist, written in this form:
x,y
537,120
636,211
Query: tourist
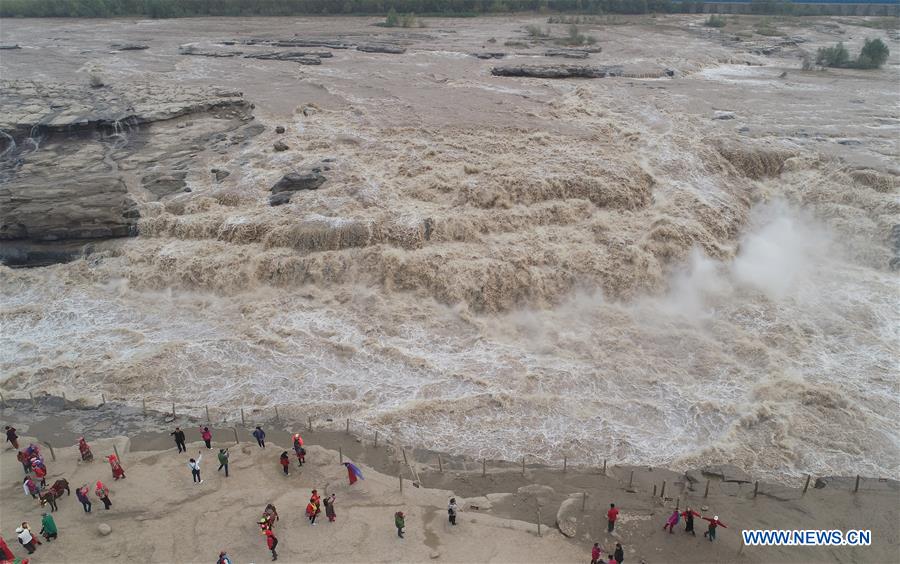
x,y
312,510
619,554
689,515
452,508
353,473
611,517
103,493
260,436
223,460
194,465
285,462
612,559
26,539
82,495
12,437
30,487
271,542
179,439
48,527
85,450
713,523
223,558
399,522
672,521
117,470
24,460
329,508
298,449
41,473
5,552
596,552
206,435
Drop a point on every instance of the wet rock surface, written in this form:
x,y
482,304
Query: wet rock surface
x,y
557,71
76,162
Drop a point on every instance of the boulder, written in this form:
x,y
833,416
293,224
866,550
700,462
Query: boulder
x,y
220,174
495,55
279,129
727,473
557,71
104,529
128,46
280,146
295,181
723,115
280,198
567,515
567,53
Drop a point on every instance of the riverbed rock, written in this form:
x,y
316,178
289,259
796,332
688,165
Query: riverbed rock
x,y
129,46
557,71
220,174
279,129
381,48
567,515
295,181
494,55
104,529
567,53
280,146
300,57
280,198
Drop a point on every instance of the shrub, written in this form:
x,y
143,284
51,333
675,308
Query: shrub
x,y
806,62
576,38
873,54
408,20
836,56
535,31
715,21
392,19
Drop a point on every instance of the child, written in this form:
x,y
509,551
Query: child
x,y
285,463
399,522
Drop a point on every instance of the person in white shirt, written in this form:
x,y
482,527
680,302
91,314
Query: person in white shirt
x,y
195,468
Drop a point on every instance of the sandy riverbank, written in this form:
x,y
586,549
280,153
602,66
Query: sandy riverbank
x,y
158,515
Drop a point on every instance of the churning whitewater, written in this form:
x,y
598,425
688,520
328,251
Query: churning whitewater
x,y
493,266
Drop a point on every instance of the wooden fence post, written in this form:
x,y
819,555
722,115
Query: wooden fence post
x,y
706,492
2,402
631,480
115,450
243,420
654,490
856,487
208,420
376,439
806,485
236,440
52,454
604,467
277,417
755,489
341,454
347,429
662,492
523,464
483,467
174,417
440,465
103,397
403,450
565,463
144,406
401,484
583,500
309,422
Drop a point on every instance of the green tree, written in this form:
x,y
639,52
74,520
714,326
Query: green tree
x,y
836,56
392,19
873,54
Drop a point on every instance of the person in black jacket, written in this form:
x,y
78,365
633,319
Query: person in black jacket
x,y
179,439
619,554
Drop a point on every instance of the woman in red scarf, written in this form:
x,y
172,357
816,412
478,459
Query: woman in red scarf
x,y
85,450
117,470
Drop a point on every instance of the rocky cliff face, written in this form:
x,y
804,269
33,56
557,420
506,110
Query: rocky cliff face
x,y
77,161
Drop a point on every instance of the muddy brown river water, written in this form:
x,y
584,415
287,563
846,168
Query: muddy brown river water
x,y
669,270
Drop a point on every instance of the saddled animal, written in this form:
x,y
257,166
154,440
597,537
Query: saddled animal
x,y
54,492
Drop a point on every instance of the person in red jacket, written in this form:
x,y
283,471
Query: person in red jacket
x,y
596,552
41,473
713,523
6,554
271,542
688,515
611,517
285,463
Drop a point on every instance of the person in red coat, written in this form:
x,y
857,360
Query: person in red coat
x,y
611,517
6,554
41,473
713,523
285,463
271,542
596,553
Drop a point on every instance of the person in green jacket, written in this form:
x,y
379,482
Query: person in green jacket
x,y
48,527
400,523
223,460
